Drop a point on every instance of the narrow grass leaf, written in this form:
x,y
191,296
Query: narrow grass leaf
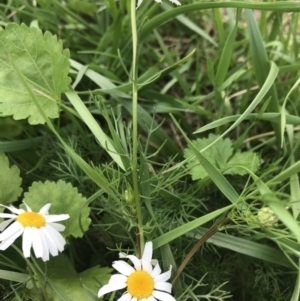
x,y
283,110
261,65
218,21
244,246
14,276
179,231
191,25
295,192
18,145
279,209
273,117
225,57
92,124
263,91
159,19
102,81
286,173
219,180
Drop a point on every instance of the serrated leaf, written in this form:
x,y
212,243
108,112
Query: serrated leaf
x,y
218,155
10,181
71,283
64,199
67,284
42,62
249,160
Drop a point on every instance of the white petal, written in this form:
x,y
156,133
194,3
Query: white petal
x,y
122,255
158,1
58,227
151,298
126,297
156,271
176,2
11,230
117,278
150,269
164,276
134,299
163,286
136,262
8,215
27,241
45,256
13,209
123,267
139,3
45,209
148,250
56,218
37,243
163,296
110,288
4,224
56,237
51,244
147,256
10,240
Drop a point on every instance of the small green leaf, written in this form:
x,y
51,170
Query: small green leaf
x,y
10,181
67,284
249,160
64,199
42,62
218,154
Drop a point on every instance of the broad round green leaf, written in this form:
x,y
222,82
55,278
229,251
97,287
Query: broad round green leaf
x,y
44,65
64,199
65,284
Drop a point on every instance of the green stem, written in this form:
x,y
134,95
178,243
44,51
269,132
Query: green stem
x,y
32,271
201,241
134,165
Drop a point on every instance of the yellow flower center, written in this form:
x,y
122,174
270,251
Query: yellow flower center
x,y
140,284
31,219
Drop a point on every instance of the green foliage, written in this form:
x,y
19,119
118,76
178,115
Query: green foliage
x,y
10,181
41,61
215,67
220,155
64,198
83,7
64,283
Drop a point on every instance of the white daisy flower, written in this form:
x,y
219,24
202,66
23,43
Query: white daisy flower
x,y
158,1
143,282
40,231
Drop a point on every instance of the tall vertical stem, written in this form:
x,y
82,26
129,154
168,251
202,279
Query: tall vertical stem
x,y
134,164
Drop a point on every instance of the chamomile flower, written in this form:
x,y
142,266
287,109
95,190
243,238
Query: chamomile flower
x,y
159,1
144,282
39,229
